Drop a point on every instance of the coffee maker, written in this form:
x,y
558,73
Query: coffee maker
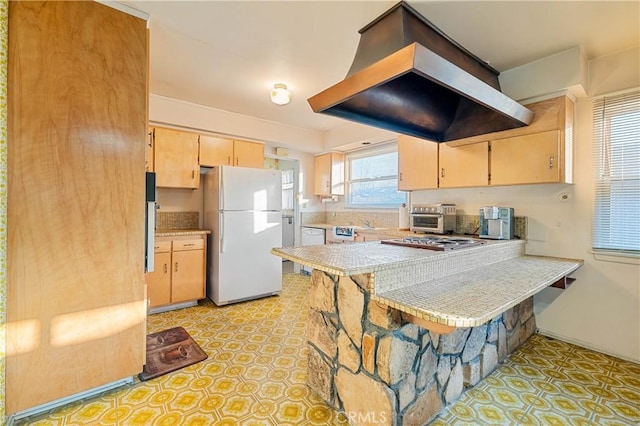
x,y
496,223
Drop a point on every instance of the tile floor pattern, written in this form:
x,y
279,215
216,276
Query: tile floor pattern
x,y
256,373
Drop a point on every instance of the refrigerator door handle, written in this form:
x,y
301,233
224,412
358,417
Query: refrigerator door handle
x,y
221,232
221,193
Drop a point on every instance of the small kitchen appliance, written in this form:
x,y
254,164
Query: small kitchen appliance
x,y
433,218
496,223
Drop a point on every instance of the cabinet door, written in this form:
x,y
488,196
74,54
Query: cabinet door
x,y
248,154
215,151
337,173
176,159
159,281
526,159
329,174
187,282
322,177
417,163
464,166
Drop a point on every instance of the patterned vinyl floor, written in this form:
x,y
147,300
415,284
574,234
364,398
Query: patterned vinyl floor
x,y
256,372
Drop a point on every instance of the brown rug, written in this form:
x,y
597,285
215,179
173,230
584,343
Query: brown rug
x,y
170,350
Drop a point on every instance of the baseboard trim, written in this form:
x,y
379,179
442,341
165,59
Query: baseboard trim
x,y
585,345
63,401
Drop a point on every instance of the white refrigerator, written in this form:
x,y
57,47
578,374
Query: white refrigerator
x,y
242,208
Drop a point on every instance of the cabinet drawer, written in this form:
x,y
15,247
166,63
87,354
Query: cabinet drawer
x,y
195,244
162,246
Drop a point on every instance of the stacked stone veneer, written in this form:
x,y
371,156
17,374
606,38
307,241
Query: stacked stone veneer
x,y
368,362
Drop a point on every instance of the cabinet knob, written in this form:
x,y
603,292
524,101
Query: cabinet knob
x,y
175,268
400,176
442,172
237,162
193,174
551,162
165,268
228,160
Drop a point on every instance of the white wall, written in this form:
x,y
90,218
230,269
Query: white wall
x,y
601,310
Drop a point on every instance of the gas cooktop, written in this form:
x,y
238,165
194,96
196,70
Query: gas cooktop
x,y
435,242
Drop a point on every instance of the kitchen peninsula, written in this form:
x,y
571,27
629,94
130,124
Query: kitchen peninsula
x,y
396,333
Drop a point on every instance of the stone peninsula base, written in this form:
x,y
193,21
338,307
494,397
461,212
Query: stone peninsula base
x,y
366,361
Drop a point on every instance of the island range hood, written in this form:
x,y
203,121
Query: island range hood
x,y
411,78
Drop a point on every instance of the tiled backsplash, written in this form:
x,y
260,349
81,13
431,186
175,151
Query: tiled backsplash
x,y
177,220
356,218
469,224
465,224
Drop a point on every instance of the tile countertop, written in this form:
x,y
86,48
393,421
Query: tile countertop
x,y
180,232
458,288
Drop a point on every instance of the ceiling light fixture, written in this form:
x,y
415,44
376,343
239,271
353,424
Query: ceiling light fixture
x,y
280,95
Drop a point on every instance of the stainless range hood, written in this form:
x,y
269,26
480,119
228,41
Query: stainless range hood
x,y
411,78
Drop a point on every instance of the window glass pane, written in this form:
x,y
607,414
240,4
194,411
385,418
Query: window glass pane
x,y
376,192
373,179
375,166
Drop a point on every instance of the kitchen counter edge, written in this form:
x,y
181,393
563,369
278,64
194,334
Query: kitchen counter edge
x,y
181,232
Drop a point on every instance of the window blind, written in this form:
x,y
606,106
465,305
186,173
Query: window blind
x,y
616,133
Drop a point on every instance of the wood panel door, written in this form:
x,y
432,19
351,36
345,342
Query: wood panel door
x,y
532,158
215,151
248,154
77,126
176,159
417,163
464,166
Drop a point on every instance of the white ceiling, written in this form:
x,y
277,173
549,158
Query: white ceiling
x,y
228,54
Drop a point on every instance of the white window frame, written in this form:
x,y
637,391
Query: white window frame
x,y
616,231
363,153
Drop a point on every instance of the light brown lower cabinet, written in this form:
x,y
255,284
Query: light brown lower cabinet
x,y
179,272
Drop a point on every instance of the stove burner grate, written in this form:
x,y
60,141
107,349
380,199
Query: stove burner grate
x,y
434,242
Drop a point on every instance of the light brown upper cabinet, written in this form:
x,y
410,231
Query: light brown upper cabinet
x,y
176,158
329,174
526,159
464,166
216,151
539,153
417,163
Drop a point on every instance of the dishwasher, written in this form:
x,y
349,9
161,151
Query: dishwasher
x,y
311,237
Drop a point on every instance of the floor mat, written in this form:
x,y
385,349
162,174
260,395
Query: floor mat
x,y
170,350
